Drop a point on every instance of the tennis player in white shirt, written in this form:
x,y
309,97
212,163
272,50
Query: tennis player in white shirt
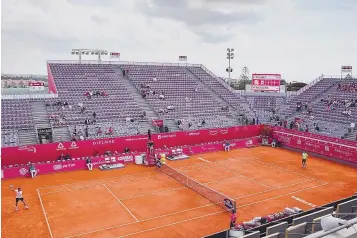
x,y
19,197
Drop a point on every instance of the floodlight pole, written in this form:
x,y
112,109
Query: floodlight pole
x,y
230,56
81,52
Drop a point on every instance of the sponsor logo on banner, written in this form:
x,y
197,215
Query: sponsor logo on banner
x,y
60,146
136,138
224,131
166,136
57,167
194,133
66,166
73,146
28,148
103,142
213,132
127,158
228,204
327,148
249,143
299,142
23,171
346,153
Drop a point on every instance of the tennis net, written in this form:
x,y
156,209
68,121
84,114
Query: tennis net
x,y
210,194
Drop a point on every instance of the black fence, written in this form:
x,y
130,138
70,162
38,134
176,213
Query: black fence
x,y
262,229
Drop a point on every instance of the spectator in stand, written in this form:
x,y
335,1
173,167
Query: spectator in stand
x,y
161,96
99,132
110,131
126,150
94,115
306,105
73,138
61,157
89,163
306,128
86,122
353,125
104,94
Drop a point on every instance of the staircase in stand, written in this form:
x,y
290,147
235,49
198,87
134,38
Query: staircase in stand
x,y
142,103
28,137
60,134
40,115
233,114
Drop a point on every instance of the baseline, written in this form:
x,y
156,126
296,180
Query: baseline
x,y
92,180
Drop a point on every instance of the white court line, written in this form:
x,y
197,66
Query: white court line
x,y
175,223
235,172
93,181
174,189
87,181
203,160
208,205
171,224
44,213
127,209
284,169
71,189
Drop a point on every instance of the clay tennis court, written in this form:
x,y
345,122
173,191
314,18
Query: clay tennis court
x,y
143,202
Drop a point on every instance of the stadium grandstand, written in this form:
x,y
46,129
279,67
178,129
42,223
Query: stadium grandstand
x,y
92,110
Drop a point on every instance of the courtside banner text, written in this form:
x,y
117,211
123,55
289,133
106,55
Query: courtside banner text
x,y
50,152
65,166
266,82
323,145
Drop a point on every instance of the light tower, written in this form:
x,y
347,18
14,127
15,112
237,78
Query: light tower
x,y
230,56
81,52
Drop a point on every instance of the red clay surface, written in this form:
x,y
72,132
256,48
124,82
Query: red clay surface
x,y
142,202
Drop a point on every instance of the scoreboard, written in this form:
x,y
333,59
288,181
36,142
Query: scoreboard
x,y
266,82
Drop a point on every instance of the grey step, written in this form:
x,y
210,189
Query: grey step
x,y
40,115
28,137
61,134
142,103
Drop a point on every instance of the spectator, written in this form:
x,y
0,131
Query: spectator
x,y
126,150
110,131
161,96
33,170
61,157
89,163
99,132
94,115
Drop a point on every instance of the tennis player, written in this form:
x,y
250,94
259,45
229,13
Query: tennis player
x,y
227,146
233,219
304,159
33,170
19,197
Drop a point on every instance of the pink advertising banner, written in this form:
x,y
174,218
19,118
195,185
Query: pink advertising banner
x,y
50,152
326,146
65,166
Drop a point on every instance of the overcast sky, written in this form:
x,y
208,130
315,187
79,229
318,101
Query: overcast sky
x,y
298,38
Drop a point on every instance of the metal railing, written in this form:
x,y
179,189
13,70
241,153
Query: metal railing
x,y
120,63
29,96
303,89
348,224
